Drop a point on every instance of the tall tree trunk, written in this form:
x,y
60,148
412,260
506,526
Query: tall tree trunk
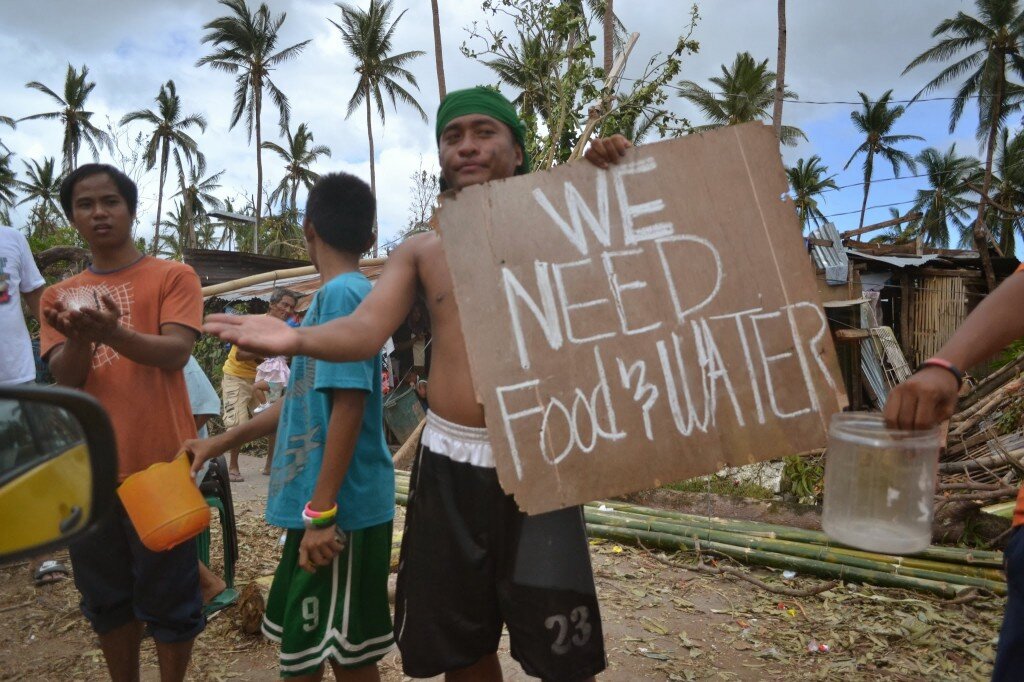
x,y
295,193
780,73
186,240
980,233
258,103
373,172
438,55
160,196
870,167
609,36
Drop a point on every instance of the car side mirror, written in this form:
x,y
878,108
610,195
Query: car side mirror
x,y
58,468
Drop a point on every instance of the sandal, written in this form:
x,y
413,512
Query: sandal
x,y
236,476
48,572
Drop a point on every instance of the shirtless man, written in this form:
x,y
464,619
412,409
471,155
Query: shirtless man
x,y
471,560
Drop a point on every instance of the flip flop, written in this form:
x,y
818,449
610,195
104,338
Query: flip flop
x,y
235,476
49,572
223,600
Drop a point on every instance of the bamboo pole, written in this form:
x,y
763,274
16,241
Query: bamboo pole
x,y
263,277
798,549
988,573
821,569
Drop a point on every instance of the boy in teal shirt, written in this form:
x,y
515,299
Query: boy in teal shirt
x,y
332,484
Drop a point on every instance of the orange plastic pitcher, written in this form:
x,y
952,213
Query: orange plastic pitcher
x,y
165,504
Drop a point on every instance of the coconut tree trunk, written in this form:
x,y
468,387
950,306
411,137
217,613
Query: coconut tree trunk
x,y
438,56
160,196
186,240
980,234
780,73
258,104
373,172
609,36
294,198
870,165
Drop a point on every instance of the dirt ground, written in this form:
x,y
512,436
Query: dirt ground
x,y
663,620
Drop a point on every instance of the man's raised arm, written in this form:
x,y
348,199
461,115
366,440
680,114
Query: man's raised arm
x,y
345,339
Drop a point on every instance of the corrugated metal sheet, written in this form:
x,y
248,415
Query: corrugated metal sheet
x,y
832,259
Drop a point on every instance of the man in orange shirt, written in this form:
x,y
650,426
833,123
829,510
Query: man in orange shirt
x,y
122,331
930,397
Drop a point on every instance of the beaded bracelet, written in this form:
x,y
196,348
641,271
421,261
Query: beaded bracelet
x,y
319,519
946,365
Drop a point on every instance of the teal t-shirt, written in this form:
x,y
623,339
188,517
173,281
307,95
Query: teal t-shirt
x,y
367,495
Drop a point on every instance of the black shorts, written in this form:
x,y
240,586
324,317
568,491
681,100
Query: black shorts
x,y
121,581
471,561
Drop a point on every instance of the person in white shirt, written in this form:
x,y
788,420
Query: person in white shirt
x,y
20,280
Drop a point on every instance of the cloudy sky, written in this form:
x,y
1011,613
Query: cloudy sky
x,y
132,46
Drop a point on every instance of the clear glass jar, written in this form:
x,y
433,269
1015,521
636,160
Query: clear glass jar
x,y
879,484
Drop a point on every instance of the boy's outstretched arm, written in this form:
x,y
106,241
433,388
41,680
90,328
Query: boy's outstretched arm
x,y
262,424
345,339
929,397
320,545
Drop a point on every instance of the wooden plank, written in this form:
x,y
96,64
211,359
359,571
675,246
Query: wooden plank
x,y
941,272
848,335
879,226
905,293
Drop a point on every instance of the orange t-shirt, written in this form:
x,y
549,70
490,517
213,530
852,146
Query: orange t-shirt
x,y
148,406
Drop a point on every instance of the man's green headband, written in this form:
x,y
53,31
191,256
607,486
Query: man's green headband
x,y
486,101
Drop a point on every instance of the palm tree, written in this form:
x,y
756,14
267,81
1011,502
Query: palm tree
x,y
77,122
8,182
948,197
170,128
780,77
1006,194
43,187
196,194
7,121
992,42
367,36
608,32
438,55
173,235
875,120
298,157
745,92
243,44
807,179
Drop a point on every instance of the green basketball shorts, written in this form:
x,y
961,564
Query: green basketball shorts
x,y
340,613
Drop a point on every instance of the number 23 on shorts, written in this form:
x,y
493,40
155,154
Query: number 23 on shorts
x,y
571,630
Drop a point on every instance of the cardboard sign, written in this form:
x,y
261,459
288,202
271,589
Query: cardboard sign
x,y
642,324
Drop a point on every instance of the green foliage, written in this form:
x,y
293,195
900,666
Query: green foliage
x,y
804,478
211,353
550,62
1010,420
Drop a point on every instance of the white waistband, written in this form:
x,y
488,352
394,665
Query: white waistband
x,y
459,443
